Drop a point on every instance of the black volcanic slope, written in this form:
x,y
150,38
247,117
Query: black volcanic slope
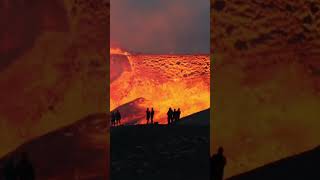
x,y
305,166
161,152
78,151
201,118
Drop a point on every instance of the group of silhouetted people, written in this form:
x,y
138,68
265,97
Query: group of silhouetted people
x,y
20,170
115,118
173,115
149,115
217,162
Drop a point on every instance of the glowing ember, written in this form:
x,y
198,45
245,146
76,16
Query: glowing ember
x,y
159,81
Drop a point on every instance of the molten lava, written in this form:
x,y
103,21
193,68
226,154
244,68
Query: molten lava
x,y
158,81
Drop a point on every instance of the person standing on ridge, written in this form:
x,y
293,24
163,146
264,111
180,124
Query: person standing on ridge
x,y
147,115
9,170
178,114
169,114
218,162
152,115
25,168
174,115
113,119
118,117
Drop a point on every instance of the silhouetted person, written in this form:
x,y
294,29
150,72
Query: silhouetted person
x,y
148,115
174,115
118,117
151,115
218,161
9,170
169,114
113,118
25,170
178,114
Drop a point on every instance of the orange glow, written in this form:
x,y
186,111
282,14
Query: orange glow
x,y
118,51
163,81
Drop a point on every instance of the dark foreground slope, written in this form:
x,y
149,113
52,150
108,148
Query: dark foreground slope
x,y
79,151
305,166
201,118
160,152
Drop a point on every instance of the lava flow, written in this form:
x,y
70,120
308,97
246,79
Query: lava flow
x,y
158,81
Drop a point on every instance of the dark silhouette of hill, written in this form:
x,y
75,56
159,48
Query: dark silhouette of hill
x,y
303,166
160,152
133,110
201,118
78,151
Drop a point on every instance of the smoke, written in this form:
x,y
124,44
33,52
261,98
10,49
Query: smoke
x,y
161,26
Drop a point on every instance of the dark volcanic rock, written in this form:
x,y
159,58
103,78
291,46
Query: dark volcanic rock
x,y
201,118
160,152
302,166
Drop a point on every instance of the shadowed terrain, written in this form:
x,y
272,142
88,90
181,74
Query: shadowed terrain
x,y
197,119
160,152
78,151
301,166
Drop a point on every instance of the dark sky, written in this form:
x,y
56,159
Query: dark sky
x,y
161,26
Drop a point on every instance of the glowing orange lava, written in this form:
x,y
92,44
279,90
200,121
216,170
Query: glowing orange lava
x,y
159,81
